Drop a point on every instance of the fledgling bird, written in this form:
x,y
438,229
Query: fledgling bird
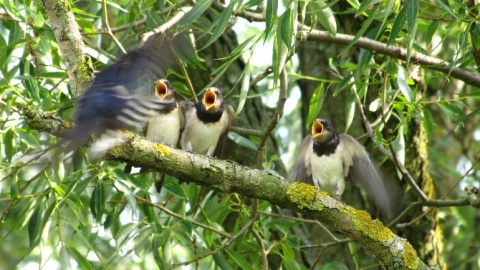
x,y
165,127
206,123
120,95
327,159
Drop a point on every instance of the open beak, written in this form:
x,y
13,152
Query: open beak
x,y
161,90
209,99
317,129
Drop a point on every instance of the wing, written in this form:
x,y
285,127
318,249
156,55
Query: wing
x,y
227,122
360,168
184,106
302,172
121,94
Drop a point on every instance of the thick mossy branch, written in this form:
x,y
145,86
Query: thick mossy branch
x,y
227,176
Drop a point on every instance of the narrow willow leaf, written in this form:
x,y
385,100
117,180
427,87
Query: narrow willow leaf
x,y
280,53
27,137
193,14
402,84
242,141
397,25
123,187
412,11
470,115
185,50
446,6
153,19
399,146
345,83
353,252
221,262
287,252
32,89
83,263
8,145
174,188
156,255
364,27
363,6
388,11
430,32
286,27
221,24
428,123
34,226
316,103
325,17
244,88
452,111
270,16
97,201
239,260
349,111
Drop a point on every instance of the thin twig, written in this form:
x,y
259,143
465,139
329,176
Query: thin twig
x,y
107,26
166,26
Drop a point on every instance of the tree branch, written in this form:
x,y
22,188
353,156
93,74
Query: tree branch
x,y
67,34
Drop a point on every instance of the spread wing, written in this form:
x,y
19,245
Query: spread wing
x,y
302,172
184,106
360,168
121,94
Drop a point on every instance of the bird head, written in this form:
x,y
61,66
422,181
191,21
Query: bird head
x,y
322,130
164,90
212,99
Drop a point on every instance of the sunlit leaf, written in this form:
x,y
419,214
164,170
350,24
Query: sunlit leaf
x,y
446,6
286,27
324,15
242,141
412,11
398,24
316,103
428,123
193,14
432,27
402,84
221,23
270,16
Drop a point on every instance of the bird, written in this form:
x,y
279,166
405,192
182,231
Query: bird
x,y
327,159
120,95
165,127
207,123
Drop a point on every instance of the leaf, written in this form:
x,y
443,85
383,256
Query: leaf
x,y
244,88
316,103
193,14
397,25
412,10
80,259
183,48
354,253
402,84
349,111
156,255
287,252
363,6
242,141
374,105
363,29
32,88
286,27
152,19
324,16
334,266
470,115
446,6
123,187
399,145
173,187
428,123
221,262
221,23
239,260
430,31
452,111
97,201
270,16
28,138
8,145
280,53
35,225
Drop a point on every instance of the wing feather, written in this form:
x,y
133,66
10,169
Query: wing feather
x,y
302,172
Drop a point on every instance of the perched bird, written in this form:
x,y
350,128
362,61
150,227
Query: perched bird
x,y
206,123
326,159
120,95
165,127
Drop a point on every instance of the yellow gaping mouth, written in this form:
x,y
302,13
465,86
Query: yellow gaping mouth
x,y
209,98
317,128
160,90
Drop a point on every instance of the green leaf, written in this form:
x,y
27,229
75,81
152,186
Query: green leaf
x,y
316,103
363,6
97,202
35,225
287,252
239,260
412,11
349,111
354,253
397,25
286,27
193,14
28,138
280,53
80,259
122,186
363,29
152,19
221,24
402,84
242,141
430,32
221,262
428,123
183,48
399,145
32,89
8,145
172,186
244,88
452,111
446,6
270,16
156,255
325,17
334,266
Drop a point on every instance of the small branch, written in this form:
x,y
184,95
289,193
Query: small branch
x,y
166,26
107,26
246,131
262,248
